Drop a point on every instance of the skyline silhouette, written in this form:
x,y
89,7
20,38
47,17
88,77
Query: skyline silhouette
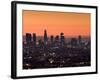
x,y
71,24
45,36
55,51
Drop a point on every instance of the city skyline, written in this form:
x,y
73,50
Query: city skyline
x,y
58,34
45,32
71,24
55,51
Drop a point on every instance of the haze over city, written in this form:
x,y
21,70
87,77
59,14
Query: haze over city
x,y
71,24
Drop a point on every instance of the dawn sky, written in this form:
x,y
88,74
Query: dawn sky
x,y
71,24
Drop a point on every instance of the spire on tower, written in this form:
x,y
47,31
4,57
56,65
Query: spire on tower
x,y
45,37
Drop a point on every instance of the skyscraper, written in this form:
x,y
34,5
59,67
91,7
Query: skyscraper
x,y
45,37
62,38
28,42
57,38
28,38
56,43
79,39
52,38
73,42
34,39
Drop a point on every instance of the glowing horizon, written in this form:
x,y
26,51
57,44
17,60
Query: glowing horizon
x,y
71,24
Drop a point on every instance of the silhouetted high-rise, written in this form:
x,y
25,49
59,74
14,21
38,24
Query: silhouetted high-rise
x,y
28,38
57,38
45,37
34,39
74,42
79,39
62,38
52,38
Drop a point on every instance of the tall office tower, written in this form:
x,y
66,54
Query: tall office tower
x,y
57,38
28,42
28,38
56,43
74,42
62,38
34,39
79,39
45,37
52,40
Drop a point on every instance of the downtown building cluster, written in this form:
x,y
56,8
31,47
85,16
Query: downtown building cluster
x,y
55,51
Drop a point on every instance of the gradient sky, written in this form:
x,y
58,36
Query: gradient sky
x,y
71,24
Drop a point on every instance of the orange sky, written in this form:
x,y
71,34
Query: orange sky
x,y
71,24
